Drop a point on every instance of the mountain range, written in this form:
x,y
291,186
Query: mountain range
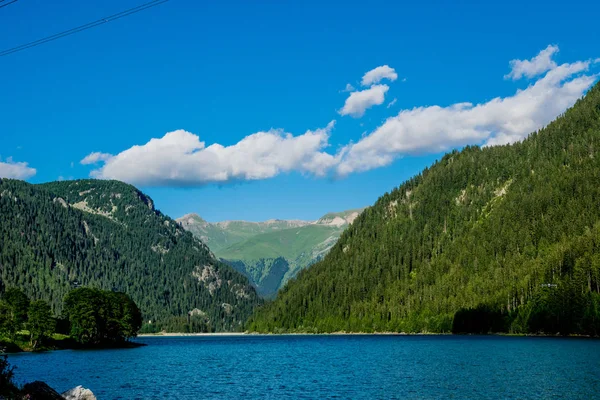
x,y
495,239
272,252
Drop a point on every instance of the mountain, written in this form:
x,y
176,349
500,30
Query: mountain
x,y
107,234
503,238
270,253
220,235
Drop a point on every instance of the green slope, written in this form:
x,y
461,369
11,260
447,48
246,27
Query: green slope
x,y
107,234
288,243
503,238
221,235
295,248
271,252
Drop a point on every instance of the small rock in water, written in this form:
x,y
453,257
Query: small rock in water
x,y
40,391
79,393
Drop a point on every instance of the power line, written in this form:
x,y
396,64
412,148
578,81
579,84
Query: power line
x,y
84,27
10,2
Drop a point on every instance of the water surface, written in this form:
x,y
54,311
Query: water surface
x,y
317,367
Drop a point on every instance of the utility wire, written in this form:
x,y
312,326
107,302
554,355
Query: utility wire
x,y
84,27
10,2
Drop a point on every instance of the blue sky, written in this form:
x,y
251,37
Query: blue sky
x,y
226,70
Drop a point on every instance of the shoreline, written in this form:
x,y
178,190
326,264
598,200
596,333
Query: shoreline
x,y
70,345
179,334
134,344
239,334
217,334
233,334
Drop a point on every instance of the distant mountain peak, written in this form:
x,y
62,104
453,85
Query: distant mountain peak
x,y
333,218
191,219
339,218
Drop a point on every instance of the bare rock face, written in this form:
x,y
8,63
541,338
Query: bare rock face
x,y
79,393
40,391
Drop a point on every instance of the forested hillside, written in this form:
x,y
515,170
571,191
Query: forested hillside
x,y
497,239
108,235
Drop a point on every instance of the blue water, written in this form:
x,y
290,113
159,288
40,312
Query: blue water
x,y
317,367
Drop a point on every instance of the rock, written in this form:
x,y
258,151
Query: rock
x,y
79,393
40,391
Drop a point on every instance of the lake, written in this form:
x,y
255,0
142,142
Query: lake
x,y
334,366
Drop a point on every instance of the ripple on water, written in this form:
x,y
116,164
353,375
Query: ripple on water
x,y
310,367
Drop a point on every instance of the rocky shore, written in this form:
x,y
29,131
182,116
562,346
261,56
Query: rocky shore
x,y
41,391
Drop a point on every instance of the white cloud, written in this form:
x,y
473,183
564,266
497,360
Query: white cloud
x,y
348,88
358,102
179,158
96,157
376,75
391,103
16,170
499,121
537,65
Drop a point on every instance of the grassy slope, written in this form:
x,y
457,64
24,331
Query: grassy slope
x,y
291,243
271,259
271,252
21,343
221,235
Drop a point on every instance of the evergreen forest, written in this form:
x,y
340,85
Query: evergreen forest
x,y
107,235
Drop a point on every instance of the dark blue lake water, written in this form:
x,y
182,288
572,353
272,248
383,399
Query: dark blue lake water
x,y
317,367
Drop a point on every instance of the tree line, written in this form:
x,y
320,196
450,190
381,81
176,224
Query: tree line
x,y
91,317
18,313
